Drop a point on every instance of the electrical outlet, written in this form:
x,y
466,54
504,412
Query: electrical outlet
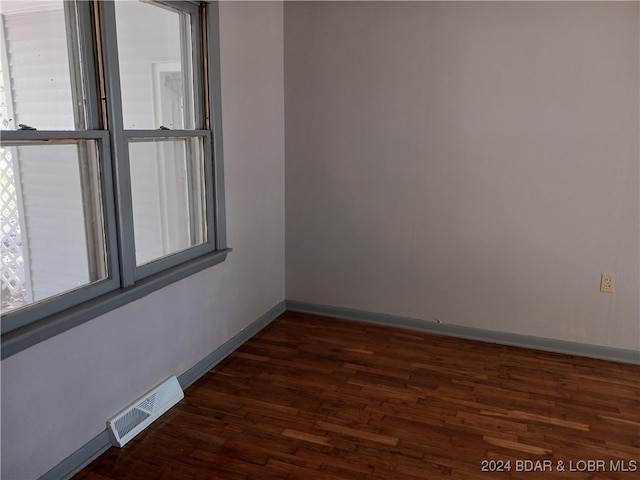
x,y
607,282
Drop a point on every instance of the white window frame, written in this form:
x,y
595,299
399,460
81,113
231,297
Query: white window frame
x,y
126,282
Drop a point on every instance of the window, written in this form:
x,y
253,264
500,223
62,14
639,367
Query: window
x,y
110,157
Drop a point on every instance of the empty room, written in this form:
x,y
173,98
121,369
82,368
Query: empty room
x,y
320,240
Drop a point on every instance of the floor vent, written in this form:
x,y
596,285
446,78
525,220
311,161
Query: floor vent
x,y
137,416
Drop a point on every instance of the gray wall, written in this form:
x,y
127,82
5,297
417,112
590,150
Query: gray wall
x,y
471,162
477,163
57,395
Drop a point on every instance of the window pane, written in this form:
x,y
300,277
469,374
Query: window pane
x,y
52,234
154,46
167,186
40,67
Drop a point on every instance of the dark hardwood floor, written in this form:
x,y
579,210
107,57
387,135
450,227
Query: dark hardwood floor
x,y
316,398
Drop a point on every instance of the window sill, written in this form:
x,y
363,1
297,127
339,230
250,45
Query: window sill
x,y
25,337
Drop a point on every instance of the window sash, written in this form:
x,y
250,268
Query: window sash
x,y
30,313
191,61
129,272
95,25
169,261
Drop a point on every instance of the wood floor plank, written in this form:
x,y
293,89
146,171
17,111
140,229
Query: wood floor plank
x,y
317,398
